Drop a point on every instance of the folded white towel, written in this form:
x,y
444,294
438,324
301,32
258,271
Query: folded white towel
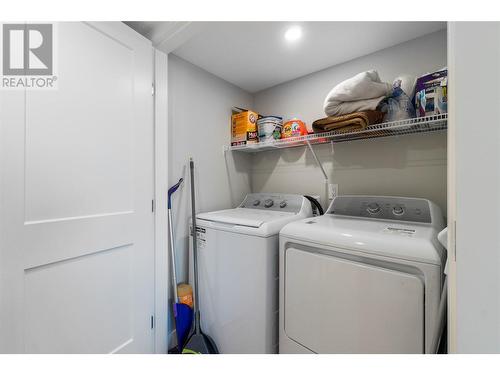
x,y
362,92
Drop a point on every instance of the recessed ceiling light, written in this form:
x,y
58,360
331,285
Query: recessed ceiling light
x,y
293,33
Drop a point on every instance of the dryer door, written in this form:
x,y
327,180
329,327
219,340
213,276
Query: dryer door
x,y
335,305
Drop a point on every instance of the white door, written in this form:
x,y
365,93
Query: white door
x,y
77,252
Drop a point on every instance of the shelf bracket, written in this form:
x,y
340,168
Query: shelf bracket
x,y
317,161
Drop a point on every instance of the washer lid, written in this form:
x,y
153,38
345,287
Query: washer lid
x,y
246,217
398,240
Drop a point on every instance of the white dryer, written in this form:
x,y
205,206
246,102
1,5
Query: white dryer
x,y
366,277
238,270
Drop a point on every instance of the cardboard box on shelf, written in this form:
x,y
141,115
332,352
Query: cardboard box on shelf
x,y
244,127
431,94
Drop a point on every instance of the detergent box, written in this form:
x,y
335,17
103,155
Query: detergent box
x,y
244,127
431,94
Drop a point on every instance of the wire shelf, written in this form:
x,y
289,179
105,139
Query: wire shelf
x,y
387,129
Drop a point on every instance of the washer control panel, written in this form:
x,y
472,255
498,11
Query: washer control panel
x,y
275,202
386,208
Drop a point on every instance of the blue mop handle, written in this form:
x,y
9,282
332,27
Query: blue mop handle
x,y
171,191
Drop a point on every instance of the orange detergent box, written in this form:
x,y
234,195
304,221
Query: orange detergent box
x,y
244,127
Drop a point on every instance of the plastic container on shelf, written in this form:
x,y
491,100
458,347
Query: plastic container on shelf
x,y
293,128
269,128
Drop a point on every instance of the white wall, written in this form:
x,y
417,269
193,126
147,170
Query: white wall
x,y
474,187
408,166
199,126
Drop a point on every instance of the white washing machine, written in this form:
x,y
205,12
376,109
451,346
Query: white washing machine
x,y
238,270
366,277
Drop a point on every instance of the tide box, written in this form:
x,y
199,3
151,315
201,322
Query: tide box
x,y
244,127
431,94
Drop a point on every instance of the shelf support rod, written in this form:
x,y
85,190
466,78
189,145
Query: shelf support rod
x,y
317,161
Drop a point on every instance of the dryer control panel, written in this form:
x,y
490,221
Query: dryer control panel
x,y
275,202
385,208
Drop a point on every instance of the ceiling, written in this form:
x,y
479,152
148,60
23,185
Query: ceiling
x,y
256,56
162,33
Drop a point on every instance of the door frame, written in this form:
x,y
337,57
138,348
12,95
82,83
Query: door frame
x,y
160,93
452,259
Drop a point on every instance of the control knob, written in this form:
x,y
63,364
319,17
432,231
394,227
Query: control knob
x,y
398,210
373,208
256,202
268,203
